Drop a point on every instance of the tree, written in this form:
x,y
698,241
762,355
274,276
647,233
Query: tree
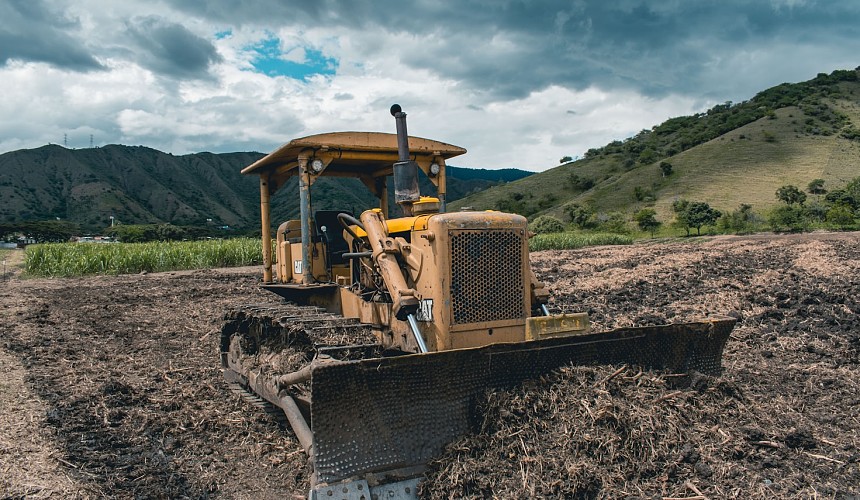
x,y
816,187
169,232
680,207
694,214
565,159
790,195
666,168
139,233
41,231
853,190
646,219
701,214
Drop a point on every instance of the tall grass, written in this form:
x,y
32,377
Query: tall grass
x,y
78,259
568,241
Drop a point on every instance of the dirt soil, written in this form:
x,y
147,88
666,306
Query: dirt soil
x,y
110,386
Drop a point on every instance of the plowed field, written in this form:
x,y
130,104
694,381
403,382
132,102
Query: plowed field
x,y
110,386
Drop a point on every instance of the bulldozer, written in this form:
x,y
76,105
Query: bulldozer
x,y
392,328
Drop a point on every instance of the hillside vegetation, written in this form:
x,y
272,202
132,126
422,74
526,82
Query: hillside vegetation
x,y
139,185
732,154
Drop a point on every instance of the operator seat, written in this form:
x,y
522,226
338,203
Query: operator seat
x,y
337,245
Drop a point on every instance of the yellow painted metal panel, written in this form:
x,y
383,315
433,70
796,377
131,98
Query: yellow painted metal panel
x,y
562,325
400,225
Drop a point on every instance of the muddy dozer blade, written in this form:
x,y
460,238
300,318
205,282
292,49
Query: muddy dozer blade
x,y
382,419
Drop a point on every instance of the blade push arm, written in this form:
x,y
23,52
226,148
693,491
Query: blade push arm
x,y
385,250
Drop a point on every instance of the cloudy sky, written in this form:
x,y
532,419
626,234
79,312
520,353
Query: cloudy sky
x,y
517,83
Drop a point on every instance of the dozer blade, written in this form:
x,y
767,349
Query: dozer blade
x,y
380,420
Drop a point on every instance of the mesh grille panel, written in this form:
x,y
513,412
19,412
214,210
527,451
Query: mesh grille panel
x,y
365,413
486,276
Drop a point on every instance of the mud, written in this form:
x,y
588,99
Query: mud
x,y
117,392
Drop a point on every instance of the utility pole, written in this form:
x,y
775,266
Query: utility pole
x,y
65,140
91,141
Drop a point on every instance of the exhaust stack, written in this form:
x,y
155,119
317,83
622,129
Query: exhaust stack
x,y
405,170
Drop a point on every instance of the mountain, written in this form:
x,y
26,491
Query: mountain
x,y
733,153
137,185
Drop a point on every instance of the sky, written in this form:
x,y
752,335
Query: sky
x,y
519,84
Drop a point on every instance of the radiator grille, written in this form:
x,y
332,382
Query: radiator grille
x,y
486,276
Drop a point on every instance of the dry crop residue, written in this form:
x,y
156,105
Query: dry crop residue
x,y
780,422
127,368
128,399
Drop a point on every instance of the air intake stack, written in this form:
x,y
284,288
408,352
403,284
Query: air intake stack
x,y
405,170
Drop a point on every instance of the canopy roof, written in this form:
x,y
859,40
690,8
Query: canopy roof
x,y
351,154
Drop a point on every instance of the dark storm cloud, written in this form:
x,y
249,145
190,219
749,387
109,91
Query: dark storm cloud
x,y
510,48
171,49
29,31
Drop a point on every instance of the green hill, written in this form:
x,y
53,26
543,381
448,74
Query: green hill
x,y
139,185
731,154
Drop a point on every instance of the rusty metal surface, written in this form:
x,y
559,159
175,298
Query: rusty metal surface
x,y
382,414
380,150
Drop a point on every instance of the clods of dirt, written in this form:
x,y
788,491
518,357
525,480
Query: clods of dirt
x,y
128,399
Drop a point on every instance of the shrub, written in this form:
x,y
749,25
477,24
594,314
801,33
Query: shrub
x,y
647,156
643,194
546,224
852,134
581,217
740,221
816,187
816,211
580,183
788,218
614,222
840,217
842,197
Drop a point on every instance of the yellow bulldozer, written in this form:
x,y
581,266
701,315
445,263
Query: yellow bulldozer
x,y
392,328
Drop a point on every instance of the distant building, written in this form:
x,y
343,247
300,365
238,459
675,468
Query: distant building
x,y
95,239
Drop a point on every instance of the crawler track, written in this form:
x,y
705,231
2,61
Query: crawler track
x,y
263,341
283,338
